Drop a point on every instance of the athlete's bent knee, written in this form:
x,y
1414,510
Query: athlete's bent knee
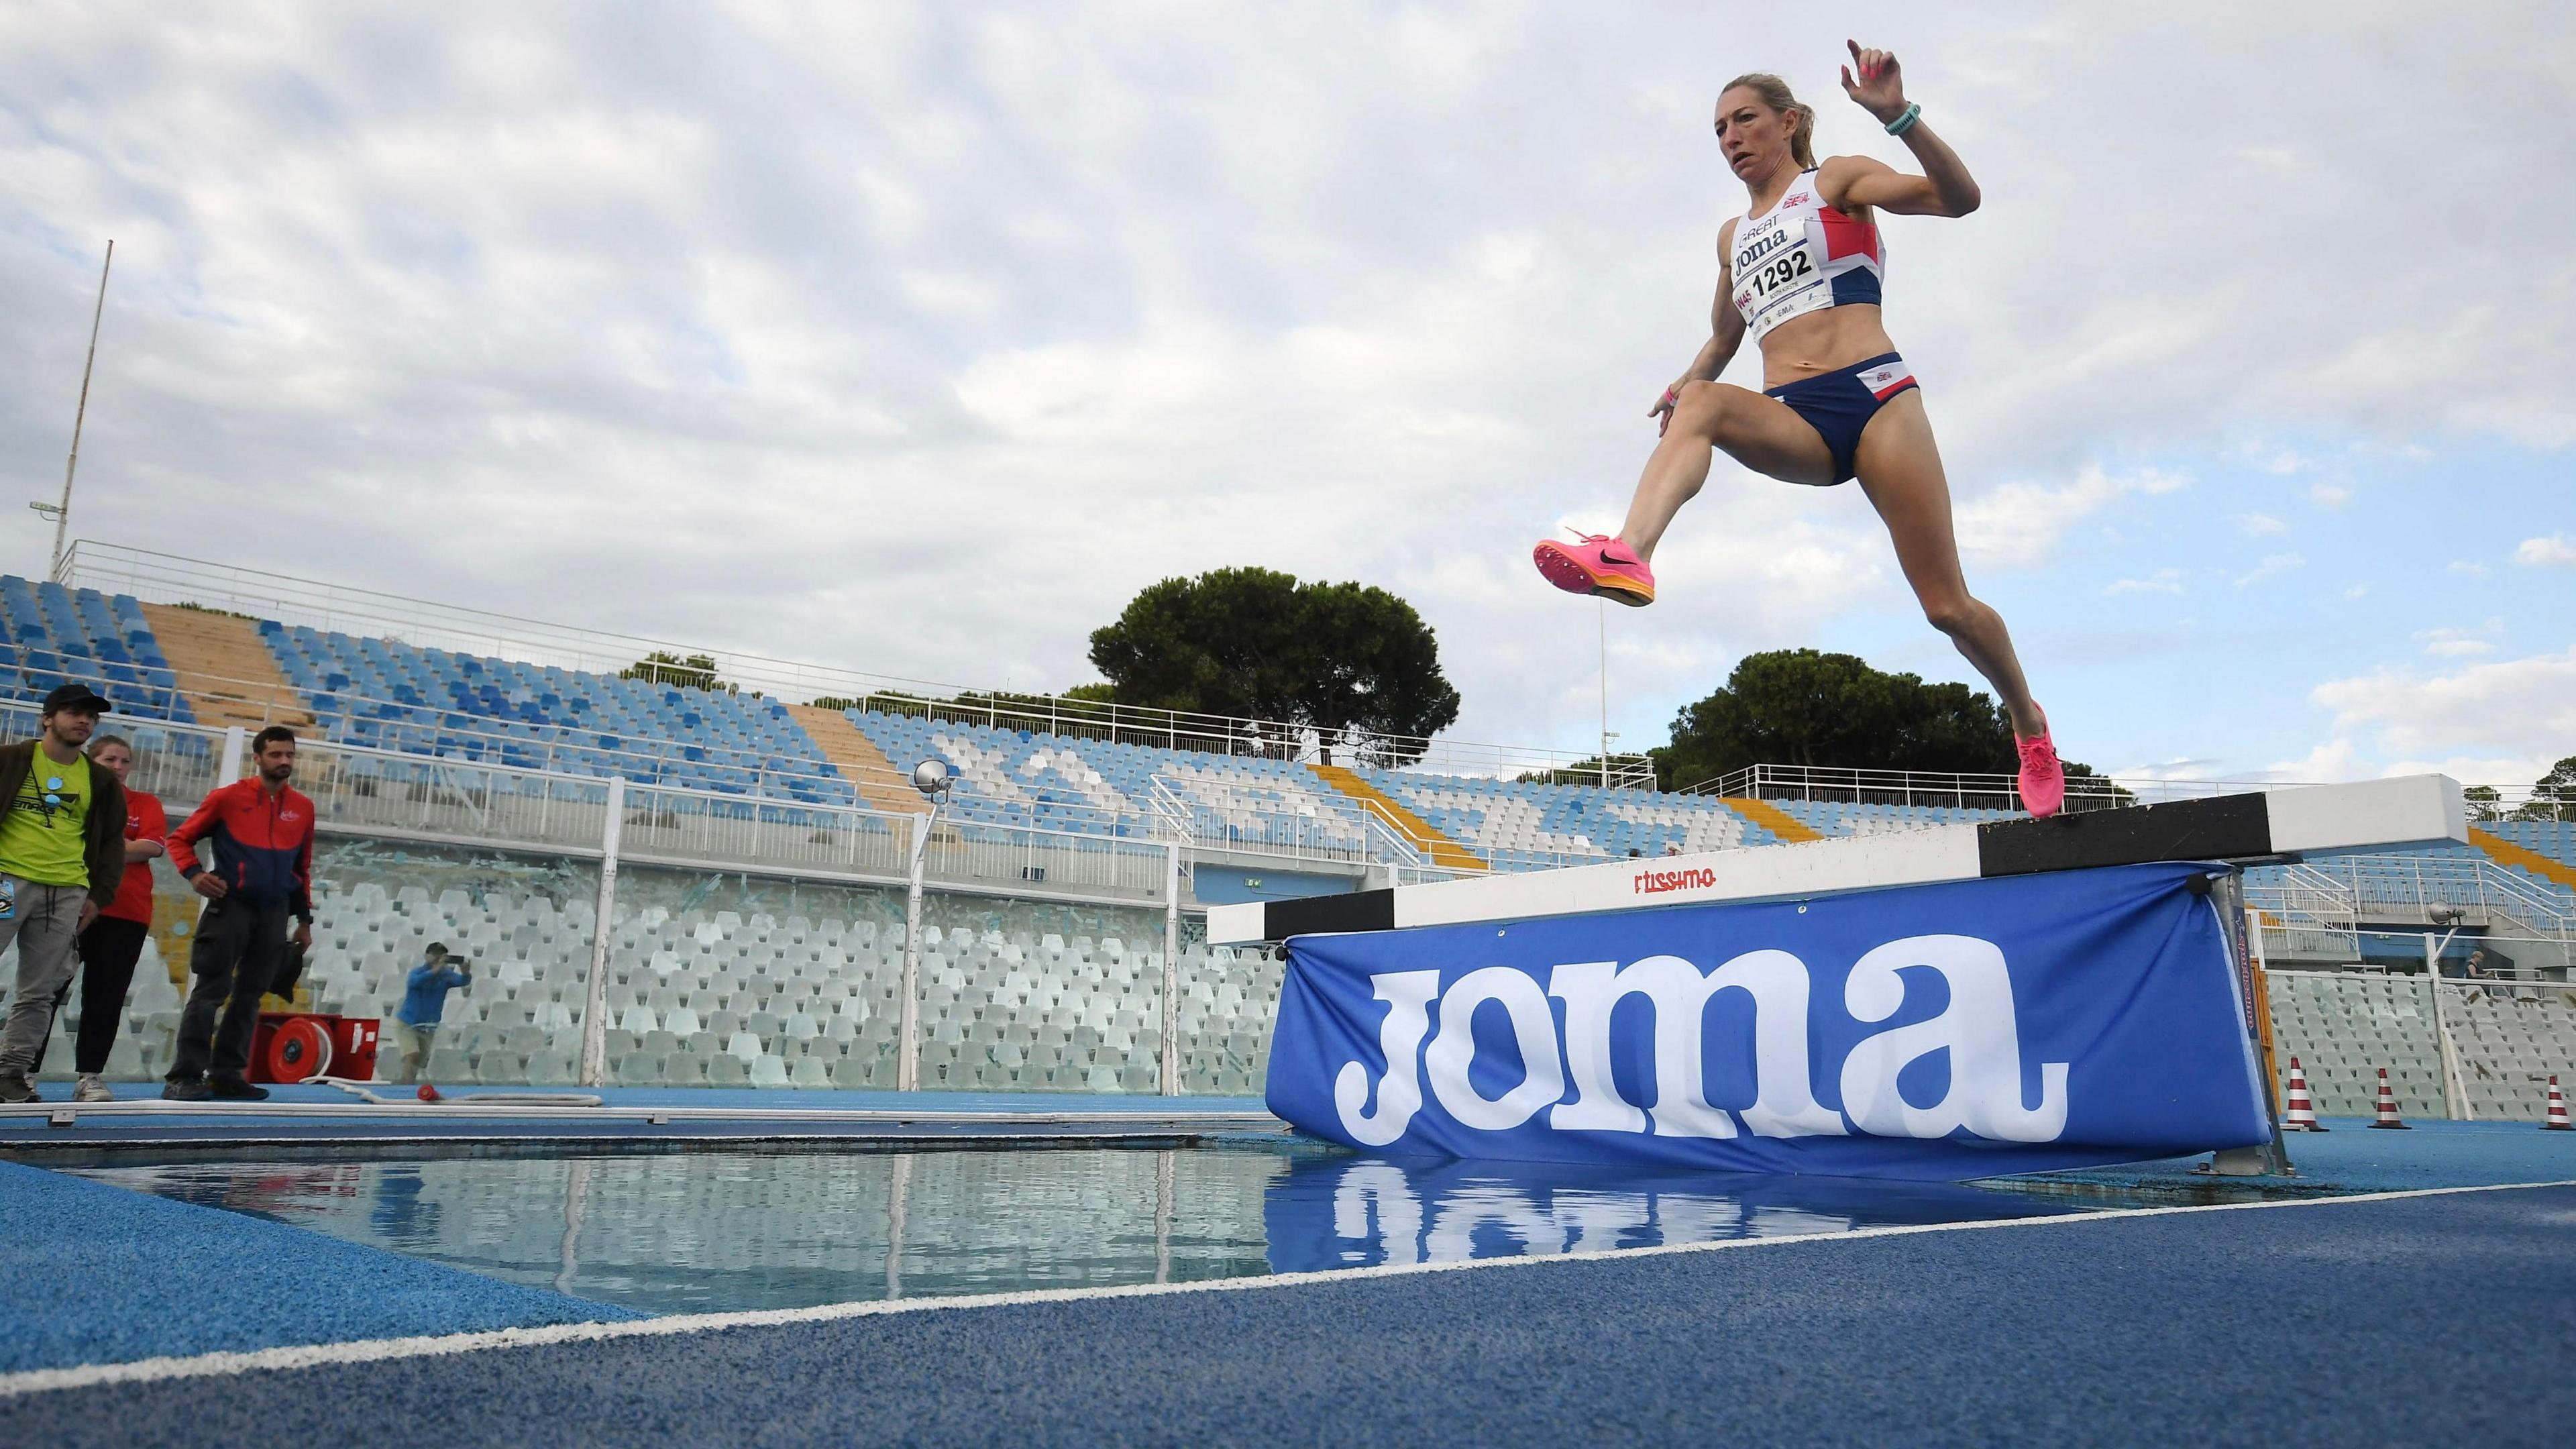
x,y
1701,405
1951,614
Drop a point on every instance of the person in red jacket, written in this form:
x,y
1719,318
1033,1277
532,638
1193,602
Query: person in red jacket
x,y
114,942
257,872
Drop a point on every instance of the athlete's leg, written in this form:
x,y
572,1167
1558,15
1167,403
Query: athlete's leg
x,y
1762,433
1900,470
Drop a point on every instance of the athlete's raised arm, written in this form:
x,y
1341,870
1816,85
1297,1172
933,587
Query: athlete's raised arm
x,y
1944,189
1725,334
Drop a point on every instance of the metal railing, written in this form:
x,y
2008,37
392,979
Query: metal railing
x,y
2306,914
360,790
1835,785
172,579
455,731
1915,787
2412,887
1337,829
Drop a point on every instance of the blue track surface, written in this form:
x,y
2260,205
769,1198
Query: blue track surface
x,y
2353,1157
759,1098
97,1274
33,1134
2440,1319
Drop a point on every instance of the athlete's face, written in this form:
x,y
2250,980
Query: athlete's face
x,y
1753,136
114,759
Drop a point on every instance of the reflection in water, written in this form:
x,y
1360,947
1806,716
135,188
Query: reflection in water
x,y
702,1232
1361,1213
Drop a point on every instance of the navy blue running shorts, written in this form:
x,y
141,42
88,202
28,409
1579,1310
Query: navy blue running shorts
x,y
1840,403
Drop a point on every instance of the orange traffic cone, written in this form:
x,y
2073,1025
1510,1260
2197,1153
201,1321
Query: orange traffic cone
x,y
2557,1119
2302,1113
2387,1105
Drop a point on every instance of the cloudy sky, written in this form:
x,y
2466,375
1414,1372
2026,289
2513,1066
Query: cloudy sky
x,y
915,339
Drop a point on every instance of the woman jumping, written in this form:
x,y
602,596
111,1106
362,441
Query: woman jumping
x,y
1799,274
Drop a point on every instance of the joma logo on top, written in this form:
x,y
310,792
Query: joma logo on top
x,y
1568,1075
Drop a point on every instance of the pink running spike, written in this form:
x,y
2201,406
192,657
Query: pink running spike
x,y
2043,779
1600,565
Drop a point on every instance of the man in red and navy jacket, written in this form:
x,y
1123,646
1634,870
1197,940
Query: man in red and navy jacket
x,y
257,871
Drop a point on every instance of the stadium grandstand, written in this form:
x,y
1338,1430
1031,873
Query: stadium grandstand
x,y
460,760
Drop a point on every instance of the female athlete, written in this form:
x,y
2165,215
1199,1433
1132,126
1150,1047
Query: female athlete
x,y
1800,275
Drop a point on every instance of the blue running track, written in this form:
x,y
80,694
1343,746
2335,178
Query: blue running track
x,y
97,1274
2425,1319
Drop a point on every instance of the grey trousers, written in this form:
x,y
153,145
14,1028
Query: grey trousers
x,y
45,926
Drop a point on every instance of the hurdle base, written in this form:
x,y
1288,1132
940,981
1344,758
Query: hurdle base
x,y
2261,1160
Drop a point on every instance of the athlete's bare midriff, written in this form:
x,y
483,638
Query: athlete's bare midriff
x,y
1820,342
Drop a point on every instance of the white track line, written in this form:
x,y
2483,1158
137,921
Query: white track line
x,y
217,1365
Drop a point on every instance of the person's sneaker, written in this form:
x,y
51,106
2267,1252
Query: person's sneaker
x,y
16,1088
2043,779
187,1089
234,1089
1599,564
91,1089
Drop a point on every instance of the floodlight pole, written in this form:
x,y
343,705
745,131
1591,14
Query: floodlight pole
x,y
1168,1075
907,1063
594,1011
62,511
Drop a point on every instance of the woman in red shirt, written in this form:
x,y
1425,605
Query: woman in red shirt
x,y
112,944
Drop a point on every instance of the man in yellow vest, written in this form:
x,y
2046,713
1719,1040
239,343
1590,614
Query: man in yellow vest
x,y
62,856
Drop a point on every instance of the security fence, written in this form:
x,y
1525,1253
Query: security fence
x,y
747,942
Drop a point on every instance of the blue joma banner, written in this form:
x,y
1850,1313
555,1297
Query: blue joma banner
x,y
1933,1032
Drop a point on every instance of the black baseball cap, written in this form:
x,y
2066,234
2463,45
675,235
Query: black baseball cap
x,y
77,696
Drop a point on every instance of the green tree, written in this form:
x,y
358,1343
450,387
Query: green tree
x,y
1807,707
698,671
2553,796
1353,663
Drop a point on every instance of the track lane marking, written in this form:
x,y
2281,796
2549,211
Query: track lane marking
x,y
226,1363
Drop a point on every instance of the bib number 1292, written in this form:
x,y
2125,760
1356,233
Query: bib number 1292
x,y
1783,272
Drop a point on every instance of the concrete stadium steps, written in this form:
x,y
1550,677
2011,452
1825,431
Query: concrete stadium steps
x,y
1011,999
225,669
1442,850
880,783
2515,857
2510,1042
2344,1027
1762,813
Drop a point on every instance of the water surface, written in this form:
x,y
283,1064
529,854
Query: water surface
x,y
720,1231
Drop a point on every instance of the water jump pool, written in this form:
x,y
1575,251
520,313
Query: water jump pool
x,y
714,1231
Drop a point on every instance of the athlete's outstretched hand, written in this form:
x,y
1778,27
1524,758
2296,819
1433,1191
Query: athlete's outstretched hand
x,y
1881,87
1662,411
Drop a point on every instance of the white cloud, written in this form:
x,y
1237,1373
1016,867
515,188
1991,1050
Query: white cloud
x,y
2331,762
762,350
2544,552
2455,643
2162,581
2257,525
2357,591
2515,715
2019,524
2468,567
2273,566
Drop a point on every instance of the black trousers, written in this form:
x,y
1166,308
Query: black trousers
x,y
108,951
236,952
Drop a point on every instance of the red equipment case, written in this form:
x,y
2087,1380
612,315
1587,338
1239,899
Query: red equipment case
x,y
297,1046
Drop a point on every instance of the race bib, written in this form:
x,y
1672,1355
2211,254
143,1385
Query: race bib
x,y
1777,278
